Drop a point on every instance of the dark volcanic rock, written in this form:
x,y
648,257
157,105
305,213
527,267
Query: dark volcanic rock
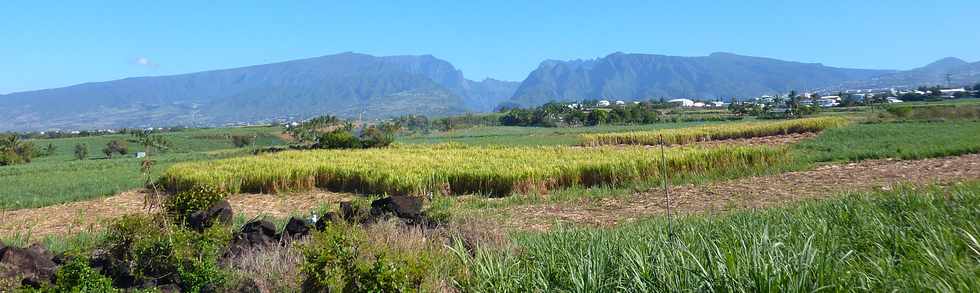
x,y
255,234
355,214
34,265
297,228
405,207
218,212
327,217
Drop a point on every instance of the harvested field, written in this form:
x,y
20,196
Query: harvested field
x,y
714,132
774,140
752,192
91,214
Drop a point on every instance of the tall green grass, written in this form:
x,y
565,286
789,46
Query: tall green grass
x,y
909,240
61,178
909,140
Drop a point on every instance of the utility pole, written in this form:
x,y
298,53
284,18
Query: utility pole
x,y
663,174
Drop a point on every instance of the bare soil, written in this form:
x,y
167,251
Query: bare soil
x,y
772,140
751,192
90,215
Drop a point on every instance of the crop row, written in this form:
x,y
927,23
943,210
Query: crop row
x,y
713,132
455,169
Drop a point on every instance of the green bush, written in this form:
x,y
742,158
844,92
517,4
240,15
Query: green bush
x,y
183,203
900,112
338,139
77,276
376,138
339,259
151,248
440,209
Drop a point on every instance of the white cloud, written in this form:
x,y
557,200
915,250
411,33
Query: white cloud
x,y
143,61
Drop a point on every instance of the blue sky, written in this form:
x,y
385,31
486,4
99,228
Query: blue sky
x,y
51,44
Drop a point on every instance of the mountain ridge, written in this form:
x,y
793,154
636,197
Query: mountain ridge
x,y
345,84
353,85
632,76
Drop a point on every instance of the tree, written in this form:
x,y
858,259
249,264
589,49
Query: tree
x,y
597,117
241,141
14,151
151,142
81,151
115,146
50,150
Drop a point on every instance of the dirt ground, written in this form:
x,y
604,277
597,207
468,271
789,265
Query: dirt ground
x,y
760,141
92,214
751,192
773,140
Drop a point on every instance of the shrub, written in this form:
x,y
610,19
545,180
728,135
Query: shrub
x,y
183,203
900,112
14,151
77,276
81,151
241,141
337,139
150,248
375,138
339,259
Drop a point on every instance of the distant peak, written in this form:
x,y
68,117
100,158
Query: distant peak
x,y
723,54
947,62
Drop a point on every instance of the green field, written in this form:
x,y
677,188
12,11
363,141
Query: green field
x,y
62,178
908,140
906,240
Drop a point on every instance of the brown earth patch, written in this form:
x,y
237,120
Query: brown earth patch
x,y
761,141
772,140
91,214
751,192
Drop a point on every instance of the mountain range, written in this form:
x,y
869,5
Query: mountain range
x,y
347,84
357,85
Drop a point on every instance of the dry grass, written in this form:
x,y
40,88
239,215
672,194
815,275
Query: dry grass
x,y
90,215
714,132
455,169
273,269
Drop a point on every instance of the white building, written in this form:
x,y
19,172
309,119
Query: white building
x,y
603,103
682,102
620,103
827,103
892,100
952,92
